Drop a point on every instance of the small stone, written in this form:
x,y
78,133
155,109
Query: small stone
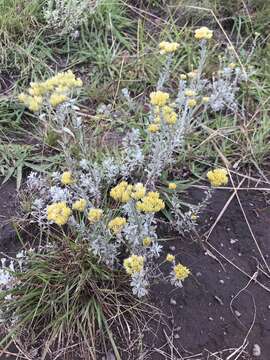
x,y
256,351
239,254
268,307
210,318
221,281
233,241
219,300
221,244
198,274
172,248
176,336
237,313
172,301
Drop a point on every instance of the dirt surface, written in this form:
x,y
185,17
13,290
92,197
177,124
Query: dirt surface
x,y
219,306
8,198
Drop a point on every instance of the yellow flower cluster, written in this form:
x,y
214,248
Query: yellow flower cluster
x,y
218,177
138,191
168,47
153,128
56,99
169,115
33,103
123,192
190,92
191,103
172,186
151,202
133,264
232,66
170,257
159,98
205,99
181,272
57,87
79,205
116,225
66,178
94,215
203,33
59,213
192,74
147,241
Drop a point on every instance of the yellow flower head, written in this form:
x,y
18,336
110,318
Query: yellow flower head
x,y
153,128
193,216
159,98
79,205
94,215
133,264
205,99
147,241
172,186
232,65
168,47
150,203
169,115
55,88
59,213
192,74
190,92
116,225
121,192
34,103
66,178
183,76
203,33
57,99
138,191
218,177
192,103
170,257
181,272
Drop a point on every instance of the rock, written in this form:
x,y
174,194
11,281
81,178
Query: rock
x,y
172,301
237,313
177,336
256,351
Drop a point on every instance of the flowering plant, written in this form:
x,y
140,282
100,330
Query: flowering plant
x,y
108,209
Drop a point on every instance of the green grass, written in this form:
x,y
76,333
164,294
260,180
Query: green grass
x,y
117,48
91,307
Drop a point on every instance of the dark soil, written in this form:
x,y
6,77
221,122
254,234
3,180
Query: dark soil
x,y
217,307
8,198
